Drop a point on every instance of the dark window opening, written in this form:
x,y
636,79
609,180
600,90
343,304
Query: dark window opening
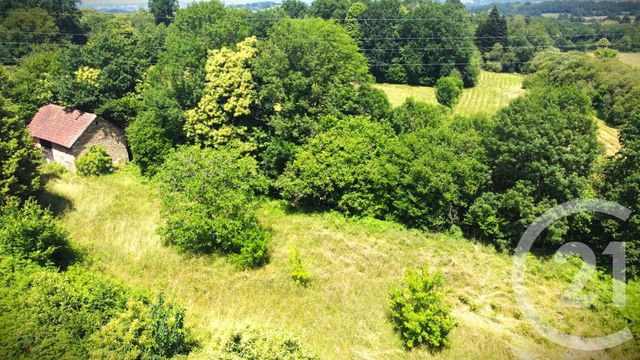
x,y
46,144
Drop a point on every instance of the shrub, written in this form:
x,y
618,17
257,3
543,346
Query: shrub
x,y
50,315
298,273
502,218
254,344
419,312
606,53
143,331
414,115
344,167
96,161
30,232
208,203
78,314
443,171
448,90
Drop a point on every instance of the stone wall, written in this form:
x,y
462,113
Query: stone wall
x,y
102,132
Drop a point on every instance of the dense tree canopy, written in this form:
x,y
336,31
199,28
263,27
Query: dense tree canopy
x,y
348,166
304,70
163,10
18,159
405,44
608,83
491,31
228,97
541,152
547,139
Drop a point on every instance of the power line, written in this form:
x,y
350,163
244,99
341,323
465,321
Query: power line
x,y
391,38
474,47
438,64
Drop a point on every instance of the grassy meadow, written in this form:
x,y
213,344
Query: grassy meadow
x,y
632,59
342,314
493,92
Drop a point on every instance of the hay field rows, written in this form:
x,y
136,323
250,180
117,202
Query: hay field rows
x,y
493,92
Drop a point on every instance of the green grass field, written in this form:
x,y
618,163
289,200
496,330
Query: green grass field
x,y
632,59
342,314
609,137
493,92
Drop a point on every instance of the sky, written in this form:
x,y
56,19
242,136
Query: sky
x,y
107,3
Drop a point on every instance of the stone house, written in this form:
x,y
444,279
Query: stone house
x,y
64,135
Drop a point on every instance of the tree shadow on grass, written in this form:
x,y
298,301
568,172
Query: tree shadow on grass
x,y
56,203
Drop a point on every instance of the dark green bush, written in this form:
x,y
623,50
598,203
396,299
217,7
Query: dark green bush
x,y
345,167
208,203
28,231
502,218
96,161
414,115
50,315
419,312
443,171
547,139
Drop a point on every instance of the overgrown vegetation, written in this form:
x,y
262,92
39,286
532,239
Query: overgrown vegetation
x,y
77,314
233,116
29,232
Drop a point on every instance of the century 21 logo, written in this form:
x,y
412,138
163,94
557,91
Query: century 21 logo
x,y
616,249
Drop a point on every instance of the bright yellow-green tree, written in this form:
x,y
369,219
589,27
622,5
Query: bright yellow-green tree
x,y
228,95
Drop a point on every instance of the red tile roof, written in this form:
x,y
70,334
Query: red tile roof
x,y
54,123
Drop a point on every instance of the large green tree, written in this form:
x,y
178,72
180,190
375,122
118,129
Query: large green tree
x,y
19,160
296,9
443,170
163,10
492,31
541,151
347,167
208,203
621,183
380,38
101,76
228,97
548,139
438,40
23,30
304,70
176,83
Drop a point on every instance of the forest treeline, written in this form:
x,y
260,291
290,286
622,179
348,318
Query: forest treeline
x,y
568,7
223,107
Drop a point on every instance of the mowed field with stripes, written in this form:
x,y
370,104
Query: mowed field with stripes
x,y
493,92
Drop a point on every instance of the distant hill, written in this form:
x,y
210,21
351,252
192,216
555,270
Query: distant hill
x,y
572,7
